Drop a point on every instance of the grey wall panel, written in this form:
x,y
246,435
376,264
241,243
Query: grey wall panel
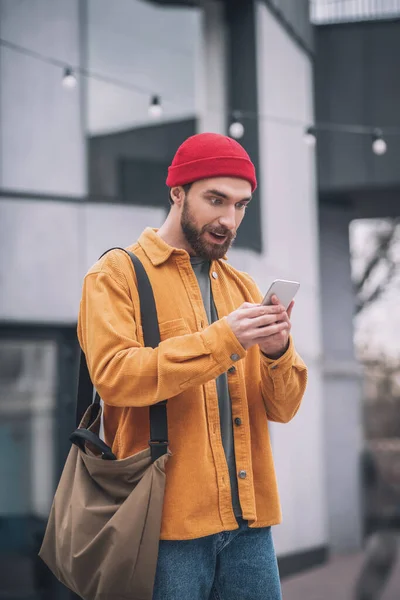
x,y
106,226
295,13
300,465
42,141
211,88
242,93
290,226
342,381
48,247
152,48
370,205
337,289
343,442
357,83
39,261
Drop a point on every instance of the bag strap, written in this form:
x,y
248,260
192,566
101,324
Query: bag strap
x,y
148,313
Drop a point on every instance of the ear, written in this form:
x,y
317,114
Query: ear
x,y
177,195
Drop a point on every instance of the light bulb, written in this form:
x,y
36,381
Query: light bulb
x,y
309,137
379,146
236,130
69,79
155,108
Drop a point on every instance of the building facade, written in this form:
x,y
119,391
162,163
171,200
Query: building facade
x,y
82,169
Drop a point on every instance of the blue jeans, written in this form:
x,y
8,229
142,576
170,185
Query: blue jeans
x,y
233,565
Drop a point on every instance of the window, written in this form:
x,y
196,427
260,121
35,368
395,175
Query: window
x,y
27,454
337,11
147,54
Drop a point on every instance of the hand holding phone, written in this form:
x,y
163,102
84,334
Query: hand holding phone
x,y
276,345
266,324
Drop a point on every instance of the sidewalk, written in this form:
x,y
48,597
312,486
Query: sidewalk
x,y
335,581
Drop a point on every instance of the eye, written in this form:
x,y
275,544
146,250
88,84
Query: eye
x,y
241,205
215,201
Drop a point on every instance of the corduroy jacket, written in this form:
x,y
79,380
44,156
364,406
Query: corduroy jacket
x,y
183,369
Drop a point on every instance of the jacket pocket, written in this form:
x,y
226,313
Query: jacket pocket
x,y
173,328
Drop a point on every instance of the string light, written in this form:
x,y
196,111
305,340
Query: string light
x,y
69,79
379,145
310,136
155,108
236,128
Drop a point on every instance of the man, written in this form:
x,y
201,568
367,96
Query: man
x,y
225,363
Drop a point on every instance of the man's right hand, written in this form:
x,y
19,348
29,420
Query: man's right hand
x,y
253,322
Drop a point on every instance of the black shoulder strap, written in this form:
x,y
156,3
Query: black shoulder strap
x,y
148,313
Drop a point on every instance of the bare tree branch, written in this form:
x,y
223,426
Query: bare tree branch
x,y
384,243
378,291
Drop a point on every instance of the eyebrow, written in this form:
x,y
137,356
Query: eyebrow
x,y
222,195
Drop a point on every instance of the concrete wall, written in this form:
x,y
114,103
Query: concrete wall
x,y
296,15
356,71
289,218
212,80
48,246
155,49
42,141
342,382
357,83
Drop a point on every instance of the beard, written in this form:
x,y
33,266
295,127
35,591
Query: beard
x,y
195,237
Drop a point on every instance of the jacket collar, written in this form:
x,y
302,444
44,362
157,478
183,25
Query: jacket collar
x,y
156,249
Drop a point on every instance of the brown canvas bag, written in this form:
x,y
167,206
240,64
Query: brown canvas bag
x,y
103,531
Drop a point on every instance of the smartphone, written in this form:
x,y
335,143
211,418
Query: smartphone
x,y
284,290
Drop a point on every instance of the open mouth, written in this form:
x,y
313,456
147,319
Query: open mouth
x,y
217,238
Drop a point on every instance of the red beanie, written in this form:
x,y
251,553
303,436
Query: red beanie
x,y
210,155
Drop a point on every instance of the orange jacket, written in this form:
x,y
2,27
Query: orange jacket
x,y
183,370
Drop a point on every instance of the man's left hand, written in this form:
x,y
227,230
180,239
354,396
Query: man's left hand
x,y
275,345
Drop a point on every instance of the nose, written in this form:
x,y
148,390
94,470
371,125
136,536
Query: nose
x,y
228,218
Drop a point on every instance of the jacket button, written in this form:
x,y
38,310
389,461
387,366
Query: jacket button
x,y
232,370
235,357
242,474
238,421
215,275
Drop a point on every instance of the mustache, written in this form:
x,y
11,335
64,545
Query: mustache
x,y
225,232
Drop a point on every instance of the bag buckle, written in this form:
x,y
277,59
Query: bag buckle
x,y
108,455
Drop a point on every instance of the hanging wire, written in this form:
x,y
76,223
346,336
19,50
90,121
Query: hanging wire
x,y
85,72
316,127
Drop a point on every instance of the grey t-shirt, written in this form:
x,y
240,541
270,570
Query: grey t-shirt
x,y
201,268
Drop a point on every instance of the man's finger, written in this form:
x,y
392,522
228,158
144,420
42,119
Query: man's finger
x,y
257,310
284,317
290,308
271,330
269,319
248,305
